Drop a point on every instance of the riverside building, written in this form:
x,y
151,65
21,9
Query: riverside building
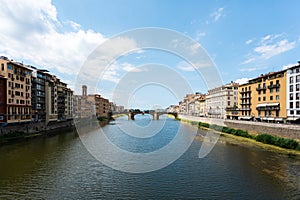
x,y
221,98
264,98
293,93
18,91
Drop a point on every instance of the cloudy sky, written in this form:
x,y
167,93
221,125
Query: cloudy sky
x,y
243,39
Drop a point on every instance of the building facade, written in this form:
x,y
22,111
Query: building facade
x,y
3,100
18,90
38,94
293,93
219,99
82,108
264,98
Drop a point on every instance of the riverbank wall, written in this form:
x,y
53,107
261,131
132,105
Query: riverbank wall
x,y
254,128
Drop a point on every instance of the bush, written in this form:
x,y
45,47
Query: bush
x,y
281,142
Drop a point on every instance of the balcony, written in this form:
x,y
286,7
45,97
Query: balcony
x,y
245,103
274,86
246,97
244,92
261,88
244,109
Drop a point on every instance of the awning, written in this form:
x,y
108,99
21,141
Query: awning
x,y
261,105
270,118
245,117
278,119
292,118
273,104
267,104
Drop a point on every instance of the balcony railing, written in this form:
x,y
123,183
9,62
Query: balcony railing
x,y
274,86
246,97
261,88
244,92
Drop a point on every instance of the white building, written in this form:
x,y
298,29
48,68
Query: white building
x,y
293,93
220,98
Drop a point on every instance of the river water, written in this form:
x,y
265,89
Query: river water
x,y
60,167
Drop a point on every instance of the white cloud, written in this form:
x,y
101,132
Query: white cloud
x,y
242,81
268,47
250,69
217,14
268,51
184,66
249,41
199,35
31,31
288,66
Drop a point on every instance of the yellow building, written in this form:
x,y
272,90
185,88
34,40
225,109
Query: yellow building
x,y
264,98
18,90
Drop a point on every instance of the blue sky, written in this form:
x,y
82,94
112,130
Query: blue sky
x,y
243,38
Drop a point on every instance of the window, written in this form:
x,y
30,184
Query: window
x,y
291,96
264,98
271,98
297,104
228,98
298,112
291,79
271,83
228,103
249,88
2,66
259,113
297,78
291,112
277,81
259,92
271,90
297,96
291,105
9,67
277,89
264,91
298,87
277,97
291,88
258,98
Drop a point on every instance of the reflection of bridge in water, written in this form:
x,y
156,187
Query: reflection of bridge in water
x,y
155,114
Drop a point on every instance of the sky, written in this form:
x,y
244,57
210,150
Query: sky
x,y
242,38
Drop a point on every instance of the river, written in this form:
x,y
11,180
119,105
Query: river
x,y
60,167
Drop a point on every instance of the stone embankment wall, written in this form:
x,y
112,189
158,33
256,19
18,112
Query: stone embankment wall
x,y
34,127
280,130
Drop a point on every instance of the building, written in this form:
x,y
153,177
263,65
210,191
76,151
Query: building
x,y
100,104
68,103
38,94
264,98
201,105
293,93
3,100
219,99
82,108
120,109
18,96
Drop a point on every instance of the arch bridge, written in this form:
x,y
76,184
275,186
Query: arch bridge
x,y
155,114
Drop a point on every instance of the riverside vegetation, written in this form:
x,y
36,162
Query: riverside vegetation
x,y
263,138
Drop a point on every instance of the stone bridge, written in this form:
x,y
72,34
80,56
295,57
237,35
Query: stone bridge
x,y
155,114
